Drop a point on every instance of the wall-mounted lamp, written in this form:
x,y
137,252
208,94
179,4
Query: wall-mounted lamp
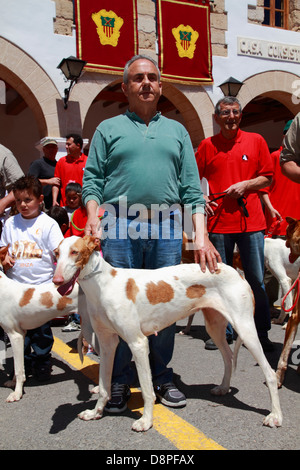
x,y
71,68
231,87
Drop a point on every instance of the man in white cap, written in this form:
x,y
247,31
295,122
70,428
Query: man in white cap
x,y
43,169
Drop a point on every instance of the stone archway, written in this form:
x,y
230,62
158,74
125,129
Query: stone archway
x,y
268,103
193,103
275,84
195,107
33,84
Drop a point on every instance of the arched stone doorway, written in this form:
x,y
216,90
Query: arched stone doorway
x,y
30,111
109,101
267,101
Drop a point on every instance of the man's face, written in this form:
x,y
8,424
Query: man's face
x,y
72,148
143,84
50,151
229,118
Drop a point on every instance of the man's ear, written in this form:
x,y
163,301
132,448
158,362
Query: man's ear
x,y
124,89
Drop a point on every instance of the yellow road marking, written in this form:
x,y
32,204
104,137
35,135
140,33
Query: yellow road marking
x,y
183,435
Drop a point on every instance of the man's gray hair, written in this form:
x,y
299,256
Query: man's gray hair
x,y
227,100
133,59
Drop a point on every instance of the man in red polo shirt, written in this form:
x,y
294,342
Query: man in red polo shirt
x,y
282,198
236,165
69,168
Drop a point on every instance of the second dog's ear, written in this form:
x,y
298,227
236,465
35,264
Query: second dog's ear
x,y
290,220
92,243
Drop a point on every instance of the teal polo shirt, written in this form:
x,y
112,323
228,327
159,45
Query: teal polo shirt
x,y
152,164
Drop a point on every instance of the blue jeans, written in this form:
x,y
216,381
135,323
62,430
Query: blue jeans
x,y
149,253
37,346
251,247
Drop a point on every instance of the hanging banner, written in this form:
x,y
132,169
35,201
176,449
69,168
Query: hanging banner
x,y
184,41
107,34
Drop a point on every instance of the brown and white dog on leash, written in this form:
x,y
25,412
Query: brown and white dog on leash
x,y
25,307
293,243
134,303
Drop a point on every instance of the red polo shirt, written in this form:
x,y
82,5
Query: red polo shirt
x,y
225,162
69,170
284,195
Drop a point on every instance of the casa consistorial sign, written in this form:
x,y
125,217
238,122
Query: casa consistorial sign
x,y
263,49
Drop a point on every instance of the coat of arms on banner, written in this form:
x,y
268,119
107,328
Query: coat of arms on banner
x,y
186,38
108,26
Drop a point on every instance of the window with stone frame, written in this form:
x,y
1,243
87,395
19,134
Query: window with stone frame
x,y
276,13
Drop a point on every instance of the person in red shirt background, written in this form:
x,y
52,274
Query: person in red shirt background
x,y
237,165
69,168
282,198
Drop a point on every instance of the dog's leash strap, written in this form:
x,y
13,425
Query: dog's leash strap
x,y
275,224
219,196
242,201
297,282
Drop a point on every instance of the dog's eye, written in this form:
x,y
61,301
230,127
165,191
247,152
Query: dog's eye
x,y
56,253
74,253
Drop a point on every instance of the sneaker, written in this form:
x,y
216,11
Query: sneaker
x,y
169,395
72,326
120,394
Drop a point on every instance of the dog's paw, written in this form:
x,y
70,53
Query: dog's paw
x,y
13,396
219,390
273,420
88,415
142,424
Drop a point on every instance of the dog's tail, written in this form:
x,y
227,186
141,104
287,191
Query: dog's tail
x,y
235,352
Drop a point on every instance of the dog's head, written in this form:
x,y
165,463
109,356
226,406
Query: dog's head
x,y
72,256
293,238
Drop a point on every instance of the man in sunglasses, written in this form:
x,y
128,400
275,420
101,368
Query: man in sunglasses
x,y
237,165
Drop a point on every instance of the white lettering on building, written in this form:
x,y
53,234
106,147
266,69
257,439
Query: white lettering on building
x,y
268,50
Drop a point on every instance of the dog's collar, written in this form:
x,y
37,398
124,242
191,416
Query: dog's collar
x,y
97,270
93,273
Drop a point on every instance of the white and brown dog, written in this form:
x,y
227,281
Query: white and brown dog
x,y
25,307
133,304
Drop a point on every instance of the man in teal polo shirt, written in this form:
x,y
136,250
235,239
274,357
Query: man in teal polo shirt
x,y
143,163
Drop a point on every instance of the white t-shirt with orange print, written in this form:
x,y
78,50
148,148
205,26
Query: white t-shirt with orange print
x,y
31,244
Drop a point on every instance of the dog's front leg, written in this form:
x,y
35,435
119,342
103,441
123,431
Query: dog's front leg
x,y
108,344
140,352
17,344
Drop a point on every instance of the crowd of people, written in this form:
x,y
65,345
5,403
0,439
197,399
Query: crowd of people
x,y
141,158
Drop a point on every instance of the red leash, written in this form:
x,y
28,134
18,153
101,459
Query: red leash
x,y
297,295
275,224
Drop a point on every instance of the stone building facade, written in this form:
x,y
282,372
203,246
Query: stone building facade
x,y
36,34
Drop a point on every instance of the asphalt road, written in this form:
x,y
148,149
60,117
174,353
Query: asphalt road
x,y
46,417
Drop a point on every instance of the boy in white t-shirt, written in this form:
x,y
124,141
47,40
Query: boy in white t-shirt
x,y
32,236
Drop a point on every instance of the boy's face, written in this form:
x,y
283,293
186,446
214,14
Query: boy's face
x,y
27,204
73,199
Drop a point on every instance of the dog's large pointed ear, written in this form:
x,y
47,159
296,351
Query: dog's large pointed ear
x,y
291,220
289,230
92,243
